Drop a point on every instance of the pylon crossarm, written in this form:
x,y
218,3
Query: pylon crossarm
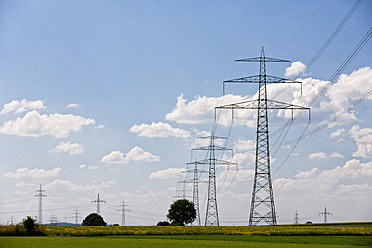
x,y
261,59
204,148
255,104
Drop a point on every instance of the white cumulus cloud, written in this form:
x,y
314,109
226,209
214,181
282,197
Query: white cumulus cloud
x,y
159,129
363,138
318,155
34,173
21,106
77,187
34,125
165,174
136,154
294,69
72,105
201,109
70,148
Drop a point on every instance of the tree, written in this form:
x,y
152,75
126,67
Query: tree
x,y
163,223
182,212
94,219
29,224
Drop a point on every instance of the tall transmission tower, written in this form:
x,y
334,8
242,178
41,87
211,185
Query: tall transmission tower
x,y
325,213
98,202
211,217
262,203
53,219
76,216
40,194
195,186
296,219
123,210
12,221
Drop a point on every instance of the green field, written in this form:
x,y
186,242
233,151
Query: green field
x,y
184,241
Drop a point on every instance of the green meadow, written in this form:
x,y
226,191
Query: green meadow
x,y
183,241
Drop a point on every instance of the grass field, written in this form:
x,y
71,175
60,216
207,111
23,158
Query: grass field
x,y
183,241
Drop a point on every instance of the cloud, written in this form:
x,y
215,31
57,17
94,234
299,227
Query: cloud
x,y
100,126
34,125
166,174
244,145
338,132
336,155
159,129
34,173
83,166
72,105
294,69
336,97
307,174
201,109
76,187
136,154
318,155
70,148
349,87
21,106
363,138
317,181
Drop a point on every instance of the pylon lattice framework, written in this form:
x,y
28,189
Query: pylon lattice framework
x,y
98,201
195,185
262,203
40,194
211,217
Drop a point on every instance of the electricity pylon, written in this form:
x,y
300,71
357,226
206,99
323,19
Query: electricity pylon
x,y
211,217
76,216
98,201
325,213
40,194
195,186
262,204
296,219
123,210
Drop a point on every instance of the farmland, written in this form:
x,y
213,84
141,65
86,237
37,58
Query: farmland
x,y
341,235
182,241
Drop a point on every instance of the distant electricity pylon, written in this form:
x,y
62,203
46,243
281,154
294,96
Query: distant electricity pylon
x,y
12,221
123,210
98,201
262,204
296,219
325,213
195,186
53,219
211,217
76,216
40,194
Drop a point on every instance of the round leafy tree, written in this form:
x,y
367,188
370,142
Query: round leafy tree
x,y
29,224
94,219
182,212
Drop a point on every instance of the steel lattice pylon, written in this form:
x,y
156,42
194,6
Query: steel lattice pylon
x,y
262,203
40,194
211,217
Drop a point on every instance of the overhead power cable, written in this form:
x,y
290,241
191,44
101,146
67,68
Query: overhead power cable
x,y
332,37
333,78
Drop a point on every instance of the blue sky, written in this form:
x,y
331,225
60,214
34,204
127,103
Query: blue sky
x,y
109,96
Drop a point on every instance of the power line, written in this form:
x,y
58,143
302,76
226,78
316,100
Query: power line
x,y
331,38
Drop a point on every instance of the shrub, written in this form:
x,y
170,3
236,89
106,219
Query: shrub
x,y
163,223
